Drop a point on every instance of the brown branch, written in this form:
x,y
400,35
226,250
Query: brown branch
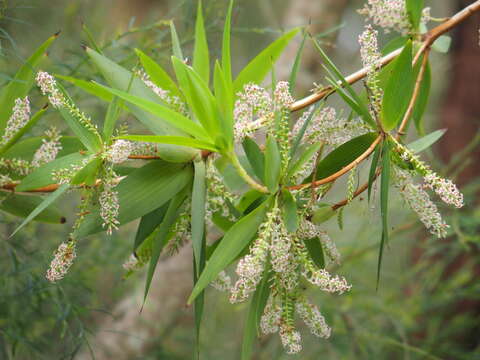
x,y
428,39
343,171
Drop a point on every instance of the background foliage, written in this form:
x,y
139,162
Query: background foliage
x,y
427,304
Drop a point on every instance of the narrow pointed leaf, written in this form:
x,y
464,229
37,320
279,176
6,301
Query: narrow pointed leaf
x,y
272,164
226,53
88,174
232,244
198,212
161,237
290,217
260,66
422,100
255,157
384,187
398,89
414,11
373,169
201,57
113,113
50,199
158,75
224,95
177,49
23,205
315,250
292,81
425,142
174,118
148,224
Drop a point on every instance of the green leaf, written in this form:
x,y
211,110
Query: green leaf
x,y
292,81
272,164
157,75
88,174
414,11
201,58
344,155
147,225
25,149
198,212
174,118
306,155
426,141
161,237
43,175
89,87
315,250
226,54
89,138
352,98
384,187
398,89
224,96
373,169
23,205
322,214
144,190
113,113
442,44
50,199
177,49
174,140
394,44
122,79
299,137
234,241
198,96
31,122
289,212
255,157
422,100
21,84
255,311
90,38
259,67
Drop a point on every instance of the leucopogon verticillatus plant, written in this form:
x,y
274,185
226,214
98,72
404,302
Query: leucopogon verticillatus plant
x,y
228,167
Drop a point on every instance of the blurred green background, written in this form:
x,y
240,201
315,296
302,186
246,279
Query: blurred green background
x,y
428,303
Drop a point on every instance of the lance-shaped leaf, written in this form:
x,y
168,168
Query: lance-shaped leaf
x,y
255,157
290,217
43,176
122,79
422,100
174,140
292,81
21,84
198,212
172,117
88,174
260,66
315,250
224,96
201,58
144,190
176,48
344,155
232,244
49,199
23,205
255,311
272,164
414,11
161,238
158,75
425,142
384,189
148,223
305,156
226,53
373,169
398,90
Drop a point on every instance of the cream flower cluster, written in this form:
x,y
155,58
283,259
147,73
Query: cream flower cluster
x,y
62,261
391,15
49,149
18,119
119,151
